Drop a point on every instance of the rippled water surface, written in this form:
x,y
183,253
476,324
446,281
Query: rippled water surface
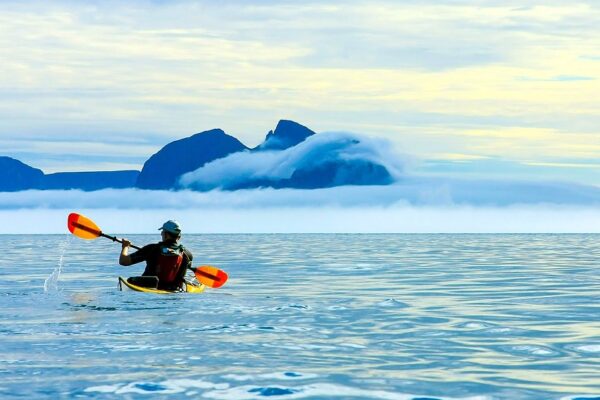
x,y
308,316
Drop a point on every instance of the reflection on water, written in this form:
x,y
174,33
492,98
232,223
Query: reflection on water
x,y
308,316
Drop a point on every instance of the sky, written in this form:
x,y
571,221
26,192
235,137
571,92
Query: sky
x,y
459,97
470,88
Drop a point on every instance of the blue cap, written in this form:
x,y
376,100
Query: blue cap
x,y
171,227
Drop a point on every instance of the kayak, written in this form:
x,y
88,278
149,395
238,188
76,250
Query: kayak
x,y
188,288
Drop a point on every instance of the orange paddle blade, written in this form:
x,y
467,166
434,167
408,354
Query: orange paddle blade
x,y
82,227
210,276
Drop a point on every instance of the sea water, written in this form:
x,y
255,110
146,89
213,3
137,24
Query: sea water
x,y
308,317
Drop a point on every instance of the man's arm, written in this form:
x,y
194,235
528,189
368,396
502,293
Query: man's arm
x,y
124,258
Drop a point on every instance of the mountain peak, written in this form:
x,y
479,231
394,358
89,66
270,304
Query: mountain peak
x,y
162,170
287,134
16,175
210,132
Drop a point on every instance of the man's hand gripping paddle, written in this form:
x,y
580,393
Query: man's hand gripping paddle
x,y
85,228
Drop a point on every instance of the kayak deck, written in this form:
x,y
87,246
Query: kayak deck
x,y
188,288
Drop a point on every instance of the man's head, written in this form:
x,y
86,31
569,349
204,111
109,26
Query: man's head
x,y
171,230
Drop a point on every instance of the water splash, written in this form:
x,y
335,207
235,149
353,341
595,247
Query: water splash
x,y
51,282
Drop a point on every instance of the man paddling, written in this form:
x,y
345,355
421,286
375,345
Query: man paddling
x,y
166,261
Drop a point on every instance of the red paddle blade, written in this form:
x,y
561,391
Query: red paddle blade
x,y
210,276
82,227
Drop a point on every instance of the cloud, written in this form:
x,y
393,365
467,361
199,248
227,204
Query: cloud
x,y
409,191
397,219
236,169
413,204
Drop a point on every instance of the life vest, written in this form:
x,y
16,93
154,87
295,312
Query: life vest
x,y
169,264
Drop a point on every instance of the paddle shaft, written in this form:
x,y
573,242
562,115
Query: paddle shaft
x,y
114,239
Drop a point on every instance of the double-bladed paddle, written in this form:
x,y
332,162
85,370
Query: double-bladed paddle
x,y
85,228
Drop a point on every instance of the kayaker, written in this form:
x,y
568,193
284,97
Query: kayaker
x,y
166,261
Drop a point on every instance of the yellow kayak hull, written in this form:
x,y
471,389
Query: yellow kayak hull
x,y
188,288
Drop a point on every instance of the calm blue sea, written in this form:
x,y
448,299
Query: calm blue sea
x,y
308,317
